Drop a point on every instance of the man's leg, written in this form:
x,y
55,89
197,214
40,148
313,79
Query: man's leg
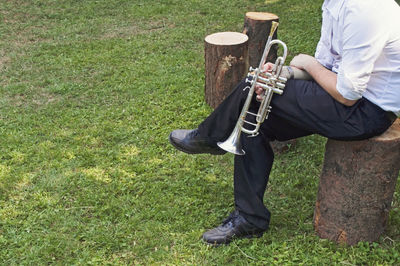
x,y
304,108
251,170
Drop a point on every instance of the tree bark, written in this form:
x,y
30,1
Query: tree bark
x,y
356,187
257,26
226,64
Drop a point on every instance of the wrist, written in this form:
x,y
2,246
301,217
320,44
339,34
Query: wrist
x,y
312,64
290,72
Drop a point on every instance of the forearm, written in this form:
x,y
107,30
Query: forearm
x,y
300,74
324,77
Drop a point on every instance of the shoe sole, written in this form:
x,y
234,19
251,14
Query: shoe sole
x,y
215,244
192,152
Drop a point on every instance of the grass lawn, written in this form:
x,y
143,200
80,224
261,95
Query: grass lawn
x,y
89,91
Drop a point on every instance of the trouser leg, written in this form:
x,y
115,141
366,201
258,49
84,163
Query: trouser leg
x,y
220,123
251,173
303,109
251,170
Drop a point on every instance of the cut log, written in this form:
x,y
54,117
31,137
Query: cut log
x,y
356,187
226,64
257,26
282,146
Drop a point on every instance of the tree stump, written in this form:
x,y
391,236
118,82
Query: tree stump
x,y
356,187
280,147
257,26
226,64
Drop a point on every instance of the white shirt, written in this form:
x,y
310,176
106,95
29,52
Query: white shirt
x,y
360,41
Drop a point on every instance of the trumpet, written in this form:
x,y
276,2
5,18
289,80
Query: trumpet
x,y
272,82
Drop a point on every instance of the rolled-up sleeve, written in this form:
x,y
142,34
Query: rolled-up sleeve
x,y
363,41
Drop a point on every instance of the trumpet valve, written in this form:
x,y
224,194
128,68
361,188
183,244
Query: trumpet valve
x,y
250,75
280,85
282,79
268,74
249,81
265,80
278,91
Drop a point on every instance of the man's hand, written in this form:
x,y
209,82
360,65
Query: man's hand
x,y
286,72
267,67
303,62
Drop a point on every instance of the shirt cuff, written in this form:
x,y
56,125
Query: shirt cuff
x,y
345,87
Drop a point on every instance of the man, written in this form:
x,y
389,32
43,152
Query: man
x,y
354,94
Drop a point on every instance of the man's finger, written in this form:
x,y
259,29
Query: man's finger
x,y
259,91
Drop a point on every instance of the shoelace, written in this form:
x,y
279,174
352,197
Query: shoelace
x,y
231,218
193,133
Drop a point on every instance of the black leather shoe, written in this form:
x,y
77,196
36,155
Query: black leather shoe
x,y
190,141
235,226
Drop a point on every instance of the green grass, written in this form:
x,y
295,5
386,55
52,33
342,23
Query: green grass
x,y
89,91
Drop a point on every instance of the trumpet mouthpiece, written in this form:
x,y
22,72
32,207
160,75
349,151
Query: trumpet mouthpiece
x,y
274,26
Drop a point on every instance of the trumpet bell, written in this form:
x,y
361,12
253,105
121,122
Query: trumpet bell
x,y
233,144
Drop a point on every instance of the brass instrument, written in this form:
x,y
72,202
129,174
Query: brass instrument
x,y
272,82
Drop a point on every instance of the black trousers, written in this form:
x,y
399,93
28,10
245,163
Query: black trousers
x,y
303,109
